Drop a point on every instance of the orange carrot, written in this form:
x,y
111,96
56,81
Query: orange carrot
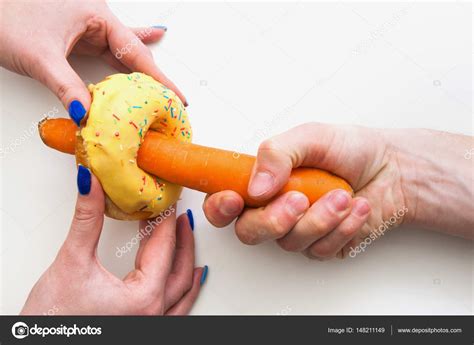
x,y
206,169
60,134
212,170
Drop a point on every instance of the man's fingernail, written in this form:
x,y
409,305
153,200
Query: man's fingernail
x,y
77,111
204,274
162,27
190,218
261,183
83,180
361,208
229,206
339,200
297,203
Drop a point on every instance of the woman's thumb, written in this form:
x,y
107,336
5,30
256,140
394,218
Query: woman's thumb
x,y
89,214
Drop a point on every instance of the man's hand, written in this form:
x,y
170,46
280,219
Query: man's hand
x,y
398,176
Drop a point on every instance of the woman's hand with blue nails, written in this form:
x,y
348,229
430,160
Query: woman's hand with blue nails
x,y
38,36
163,282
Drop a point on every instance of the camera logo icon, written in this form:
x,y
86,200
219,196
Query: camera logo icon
x,y
20,330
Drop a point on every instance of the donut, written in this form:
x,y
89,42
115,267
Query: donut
x,y
124,107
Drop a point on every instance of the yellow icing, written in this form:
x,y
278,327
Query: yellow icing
x,y
124,106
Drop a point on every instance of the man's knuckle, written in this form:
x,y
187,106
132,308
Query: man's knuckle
x,y
348,230
246,237
275,226
317,225
268,145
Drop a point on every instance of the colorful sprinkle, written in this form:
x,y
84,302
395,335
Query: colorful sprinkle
x,y
118,118
136,106
117,134
133,124
169,104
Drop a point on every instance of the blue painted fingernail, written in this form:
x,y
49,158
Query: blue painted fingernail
x,y
162,27
204,274
77,111
83,180
191,218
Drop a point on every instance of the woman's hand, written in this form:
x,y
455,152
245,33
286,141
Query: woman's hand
x,y
164,280
389,170
37,37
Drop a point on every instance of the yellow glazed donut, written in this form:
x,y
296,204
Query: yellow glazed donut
x,y
124,107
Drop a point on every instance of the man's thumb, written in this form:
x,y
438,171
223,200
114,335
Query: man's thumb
x,y
89,214
272,168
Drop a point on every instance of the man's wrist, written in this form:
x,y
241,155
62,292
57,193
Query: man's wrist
x,y
436,178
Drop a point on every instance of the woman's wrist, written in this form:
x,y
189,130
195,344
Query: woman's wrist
x,y
436,178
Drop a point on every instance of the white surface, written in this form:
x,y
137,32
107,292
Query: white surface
x,y
241,65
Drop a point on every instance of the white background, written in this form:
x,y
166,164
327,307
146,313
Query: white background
x,y
241,65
